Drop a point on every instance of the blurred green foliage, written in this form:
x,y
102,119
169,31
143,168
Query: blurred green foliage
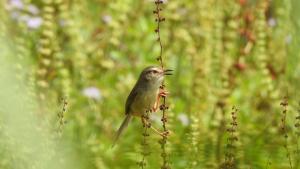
x,y
225,53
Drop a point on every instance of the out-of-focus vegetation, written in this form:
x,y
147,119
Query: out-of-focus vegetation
x,y
67,66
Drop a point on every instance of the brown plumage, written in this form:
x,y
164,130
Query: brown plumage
x,y
143,96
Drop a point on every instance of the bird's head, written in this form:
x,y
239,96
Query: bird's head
x,y
154,75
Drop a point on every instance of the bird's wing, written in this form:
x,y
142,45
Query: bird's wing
x,y
130,100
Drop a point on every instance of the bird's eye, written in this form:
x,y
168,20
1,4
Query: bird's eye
x,y
155,71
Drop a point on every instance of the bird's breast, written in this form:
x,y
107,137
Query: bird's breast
x,y
144,101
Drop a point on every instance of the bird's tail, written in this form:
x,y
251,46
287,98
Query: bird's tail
x,y
122,127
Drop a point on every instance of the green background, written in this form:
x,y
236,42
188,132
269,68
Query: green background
x,y
225,54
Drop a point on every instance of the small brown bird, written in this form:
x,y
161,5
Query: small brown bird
x,y
144,96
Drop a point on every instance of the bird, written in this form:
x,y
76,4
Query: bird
x,y
144,96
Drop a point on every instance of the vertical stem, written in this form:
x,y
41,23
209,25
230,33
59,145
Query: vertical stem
x,y
284,105
159,19
61,114
145,147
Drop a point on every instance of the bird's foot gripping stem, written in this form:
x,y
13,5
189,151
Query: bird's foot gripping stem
x,y
162,93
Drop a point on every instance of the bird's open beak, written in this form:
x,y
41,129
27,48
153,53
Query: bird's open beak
x,y
168,72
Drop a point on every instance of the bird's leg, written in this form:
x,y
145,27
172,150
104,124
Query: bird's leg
x,y
162,93
146,123
163,134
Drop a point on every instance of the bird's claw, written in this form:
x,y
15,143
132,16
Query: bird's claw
x,y
163,93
